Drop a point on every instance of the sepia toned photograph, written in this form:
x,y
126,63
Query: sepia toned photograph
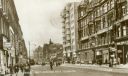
x,y
63,37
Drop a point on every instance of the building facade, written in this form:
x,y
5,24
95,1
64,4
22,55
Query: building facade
x,y
10,35
70,34
102,31
38,55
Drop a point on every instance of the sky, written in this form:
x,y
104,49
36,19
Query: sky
x,y
40,20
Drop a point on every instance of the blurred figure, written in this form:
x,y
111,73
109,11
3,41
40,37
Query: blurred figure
x,y
27,70
16,67
21,67
51,65
11,69
2,73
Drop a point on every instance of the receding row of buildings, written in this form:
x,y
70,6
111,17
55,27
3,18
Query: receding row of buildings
x,y
50,51
101,31
12,44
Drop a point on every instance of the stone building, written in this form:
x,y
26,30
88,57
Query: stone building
x,y
70,35
10,35
38,55
103,30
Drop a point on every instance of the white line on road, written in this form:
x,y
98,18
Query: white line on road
x,y
57,71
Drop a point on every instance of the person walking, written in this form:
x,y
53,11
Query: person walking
x,y
16,69
27,70
51,65
21,67
11,69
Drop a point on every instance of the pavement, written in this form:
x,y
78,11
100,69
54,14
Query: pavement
x,y
114,69
19,74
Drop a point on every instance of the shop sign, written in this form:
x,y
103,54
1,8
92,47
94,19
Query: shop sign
x,y
98,53
113,49
113,55
7,45
119,51
118,43
122,43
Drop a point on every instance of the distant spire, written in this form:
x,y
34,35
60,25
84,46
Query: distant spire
x,y
50,42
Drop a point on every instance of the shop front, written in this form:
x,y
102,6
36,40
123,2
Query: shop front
x,y
122,53
102,56
99,56
105,56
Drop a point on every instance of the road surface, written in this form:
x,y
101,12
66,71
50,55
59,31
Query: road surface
x,y
39,70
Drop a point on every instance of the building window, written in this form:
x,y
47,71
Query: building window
x,y
108,5
82,13
99,40
119,31
98,11
112,4
105,8
121,10
124,30
124,10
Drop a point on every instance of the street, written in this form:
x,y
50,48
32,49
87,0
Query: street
x,y
39,70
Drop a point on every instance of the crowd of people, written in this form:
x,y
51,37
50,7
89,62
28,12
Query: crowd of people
x,y
21,67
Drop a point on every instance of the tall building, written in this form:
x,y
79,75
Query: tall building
x,y
38,55
70,25
103,31
121,28
11,35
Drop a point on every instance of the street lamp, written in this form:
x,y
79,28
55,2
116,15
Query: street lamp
x,y
29,53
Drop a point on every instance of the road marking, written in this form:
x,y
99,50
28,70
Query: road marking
x,y
56,71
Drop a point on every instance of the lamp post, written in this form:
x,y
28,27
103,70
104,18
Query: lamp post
x,y
30,53
29,56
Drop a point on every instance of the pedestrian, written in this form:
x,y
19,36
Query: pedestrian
x,y
21,67
11,69
118,60
51,65
27,70
110,63
2,73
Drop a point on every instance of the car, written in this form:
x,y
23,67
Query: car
x,y
43,63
